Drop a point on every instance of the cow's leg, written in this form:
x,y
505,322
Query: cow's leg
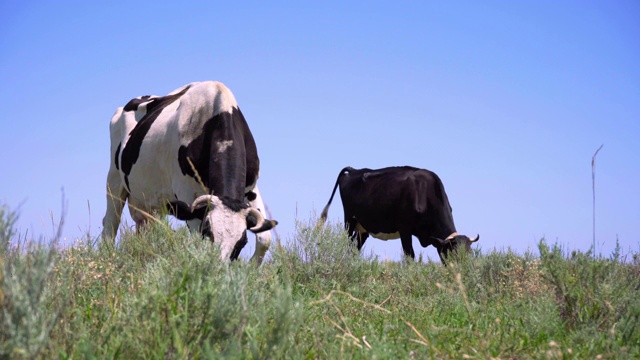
x,y
357,238
350,227
407,247
141,214
116,197
362,237
139,219
263,239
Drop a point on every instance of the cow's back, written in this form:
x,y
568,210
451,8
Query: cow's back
x,y
363,185
147,133
375,197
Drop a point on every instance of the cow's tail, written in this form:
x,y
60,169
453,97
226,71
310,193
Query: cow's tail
x,y
325,211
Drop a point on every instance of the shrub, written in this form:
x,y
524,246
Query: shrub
x,y
27,288
319,253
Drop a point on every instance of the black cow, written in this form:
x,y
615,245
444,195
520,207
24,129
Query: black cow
x,y
397,202
193,153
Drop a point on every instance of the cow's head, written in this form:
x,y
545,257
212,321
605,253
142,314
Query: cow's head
x,y
225,221
452,243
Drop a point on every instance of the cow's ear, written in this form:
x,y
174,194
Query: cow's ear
x,y
203,204
200,211
180,209
251,220
439,242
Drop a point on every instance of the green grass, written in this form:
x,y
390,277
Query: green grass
x,y
163,294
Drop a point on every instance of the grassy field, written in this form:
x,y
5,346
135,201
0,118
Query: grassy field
x,y
161,294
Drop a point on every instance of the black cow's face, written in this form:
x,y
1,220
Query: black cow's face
x,y
224,221
454,243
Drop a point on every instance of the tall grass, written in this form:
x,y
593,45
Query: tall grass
x,y
163,294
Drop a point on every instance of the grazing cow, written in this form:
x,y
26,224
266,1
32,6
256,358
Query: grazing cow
x,y
190,152
397,202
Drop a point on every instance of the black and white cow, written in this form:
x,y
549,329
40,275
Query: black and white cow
x,y
397,202
190,152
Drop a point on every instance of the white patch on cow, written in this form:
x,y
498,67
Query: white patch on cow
x,y
204,98
223,145
381,236
141,111
224,99
227,226
263,239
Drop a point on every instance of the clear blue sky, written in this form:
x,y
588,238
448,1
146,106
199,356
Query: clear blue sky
x,y
507,101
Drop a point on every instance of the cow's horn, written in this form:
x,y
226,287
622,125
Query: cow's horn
x,y
262,223
202,200
259,218
476,239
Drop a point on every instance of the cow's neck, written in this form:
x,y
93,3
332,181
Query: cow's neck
x,y
227,174
441,225
227,163
228,181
